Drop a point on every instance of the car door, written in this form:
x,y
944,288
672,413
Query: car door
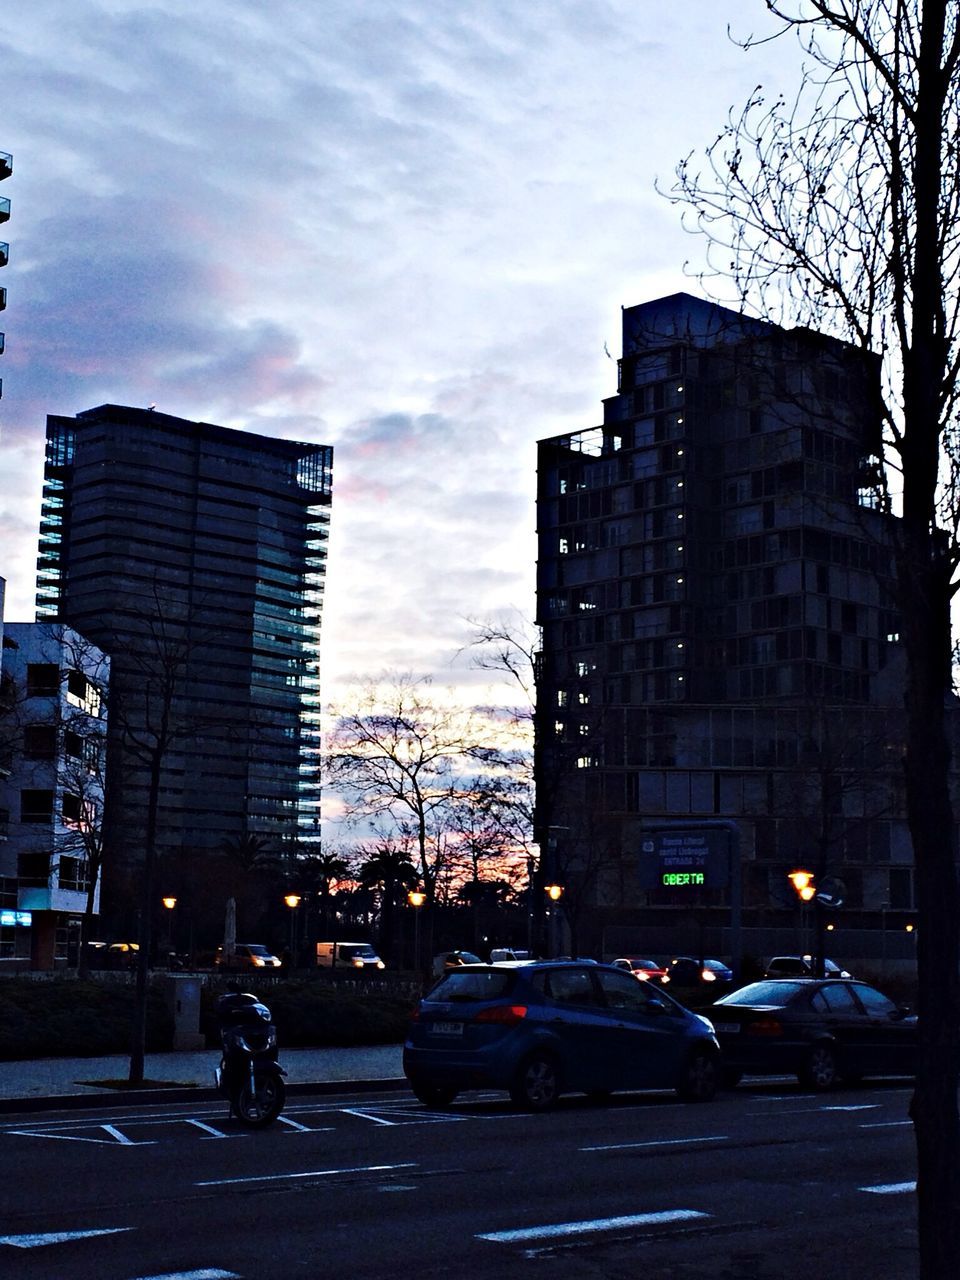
x,y
891,1038
643,1036
575,1018
848,1024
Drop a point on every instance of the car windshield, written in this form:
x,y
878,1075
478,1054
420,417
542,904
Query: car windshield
x,y
766,993
477,984
361,949
255,949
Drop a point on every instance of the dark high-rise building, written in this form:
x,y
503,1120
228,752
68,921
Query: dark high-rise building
x,y
720,638
194,555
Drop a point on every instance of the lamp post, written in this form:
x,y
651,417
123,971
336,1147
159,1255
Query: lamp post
x,y
293,901
170,903
416,898
803,883
554,892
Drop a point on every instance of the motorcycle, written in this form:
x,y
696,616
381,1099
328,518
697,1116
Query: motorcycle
x,y
249,1073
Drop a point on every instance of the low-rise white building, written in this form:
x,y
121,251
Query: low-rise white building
x,y
53,722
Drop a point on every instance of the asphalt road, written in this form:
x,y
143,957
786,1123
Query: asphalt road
x,y
767,1183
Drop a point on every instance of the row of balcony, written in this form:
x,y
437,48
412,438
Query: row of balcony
x,y
6,168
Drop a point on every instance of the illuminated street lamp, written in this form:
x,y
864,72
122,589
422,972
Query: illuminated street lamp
x,y
416,898
554,892
293,901
169,902
802,881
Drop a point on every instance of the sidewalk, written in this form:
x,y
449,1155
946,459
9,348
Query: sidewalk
x,y
50,1082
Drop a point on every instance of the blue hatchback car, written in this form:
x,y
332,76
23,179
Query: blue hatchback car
x,y
540,1030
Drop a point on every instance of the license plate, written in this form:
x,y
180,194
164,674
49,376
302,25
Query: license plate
x,y
447,1029
726,1028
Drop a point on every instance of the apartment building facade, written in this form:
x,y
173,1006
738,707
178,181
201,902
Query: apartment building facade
x,y
715,590
53,729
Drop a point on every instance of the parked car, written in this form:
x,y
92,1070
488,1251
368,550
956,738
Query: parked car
x,y
509,955
646,970
819,1029
802,967
552,1027
708,977
453,960
247,955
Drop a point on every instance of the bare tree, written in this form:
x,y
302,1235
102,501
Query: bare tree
x,y
400,756
149,719
839,209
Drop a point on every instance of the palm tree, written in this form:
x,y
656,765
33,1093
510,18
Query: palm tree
x,y
388,869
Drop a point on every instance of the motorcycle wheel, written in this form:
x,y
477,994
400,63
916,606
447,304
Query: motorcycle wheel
x,y
256,1108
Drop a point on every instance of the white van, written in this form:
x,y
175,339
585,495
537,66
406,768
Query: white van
x,y
348,955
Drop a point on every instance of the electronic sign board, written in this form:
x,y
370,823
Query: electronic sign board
x,y
685,859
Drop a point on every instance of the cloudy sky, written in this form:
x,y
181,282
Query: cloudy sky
x,y
402,228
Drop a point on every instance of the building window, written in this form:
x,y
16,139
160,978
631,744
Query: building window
x,y
43,679
36,806
72,810
40,741
34,867
71,874
82,693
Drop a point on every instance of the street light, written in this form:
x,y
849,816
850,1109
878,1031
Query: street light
x,y
293,901
802,881
416,898
170,903
554,892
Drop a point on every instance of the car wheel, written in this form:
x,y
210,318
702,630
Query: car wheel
x,y
537,1085
700,1078
730,1077
433,1095
820,1072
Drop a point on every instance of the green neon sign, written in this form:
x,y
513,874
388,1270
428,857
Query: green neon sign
x,y
676,879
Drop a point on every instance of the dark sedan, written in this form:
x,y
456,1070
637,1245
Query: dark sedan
x,y
543,1029
820,1030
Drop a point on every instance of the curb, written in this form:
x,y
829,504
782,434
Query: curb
x,y
146,1097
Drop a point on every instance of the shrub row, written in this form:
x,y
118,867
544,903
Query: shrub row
x,y
67,1018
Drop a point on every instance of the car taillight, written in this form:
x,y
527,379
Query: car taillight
x,y
765,1027
505,1015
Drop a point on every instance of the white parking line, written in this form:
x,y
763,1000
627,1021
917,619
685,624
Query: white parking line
x,y
662,1142
39,1241
206,1273
314,1173
365,1115
592,1224
890,1188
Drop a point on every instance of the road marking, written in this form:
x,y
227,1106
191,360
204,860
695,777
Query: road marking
x,y
853,1106
365,1115
212,1132
593,1224
662,1142
301,1128
117,1139
207,1273
888,1124
315,1173
890,1188
57,1237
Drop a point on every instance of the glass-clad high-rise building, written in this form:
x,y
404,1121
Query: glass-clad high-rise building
x,y
194,555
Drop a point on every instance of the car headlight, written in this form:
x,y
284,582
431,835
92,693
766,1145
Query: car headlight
x,y
257,961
